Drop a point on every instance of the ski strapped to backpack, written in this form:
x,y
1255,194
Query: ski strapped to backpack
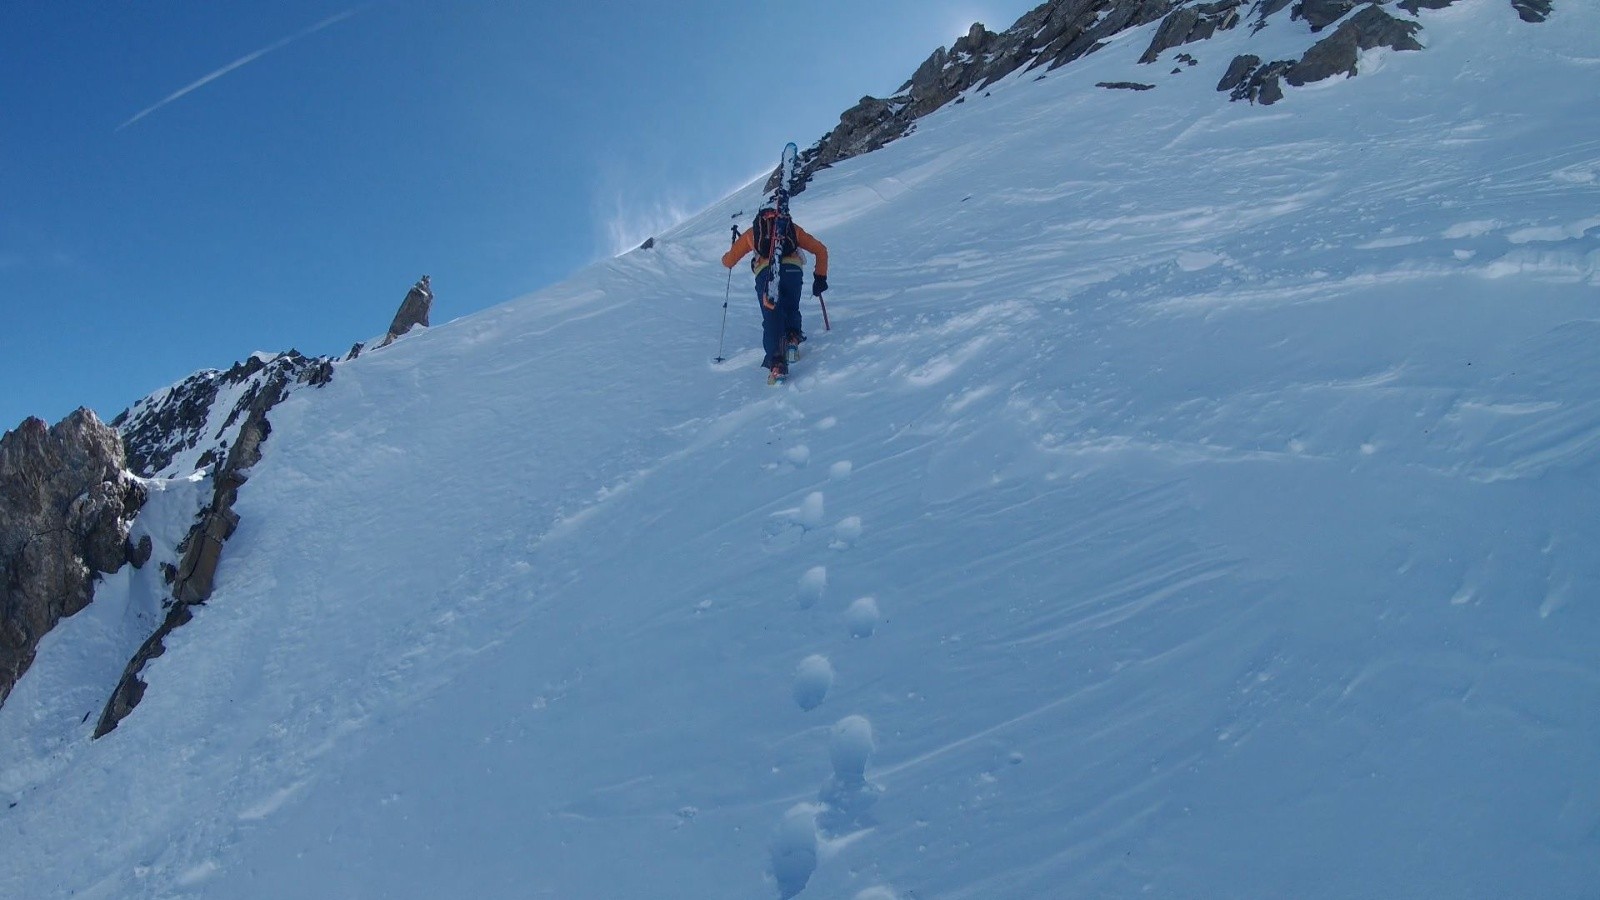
x,y
773,229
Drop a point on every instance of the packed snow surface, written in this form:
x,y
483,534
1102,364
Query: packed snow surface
x,y
1190,500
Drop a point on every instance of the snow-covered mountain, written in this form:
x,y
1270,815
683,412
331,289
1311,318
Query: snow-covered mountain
x,y
191,425
1191,499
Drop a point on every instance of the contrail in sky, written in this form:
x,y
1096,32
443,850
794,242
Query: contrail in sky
x,y
243,61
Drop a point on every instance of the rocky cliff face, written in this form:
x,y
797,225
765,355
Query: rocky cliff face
x,y
66,505
235,449
219,421
1060,31
191,425
69,494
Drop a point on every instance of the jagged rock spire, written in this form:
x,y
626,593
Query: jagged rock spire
x,y
413,310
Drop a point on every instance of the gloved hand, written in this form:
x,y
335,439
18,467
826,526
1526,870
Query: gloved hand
x,y
819,283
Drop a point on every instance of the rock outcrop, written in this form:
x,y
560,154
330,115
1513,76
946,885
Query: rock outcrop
x,y
1337,53
1059,31
193,579
413,311
1248,78
68,496
1188,24
1532,10
1257,83
1266,9
66,505
1319,14
189,426
1052,35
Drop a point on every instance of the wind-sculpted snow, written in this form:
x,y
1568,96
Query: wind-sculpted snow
x,y
1196,501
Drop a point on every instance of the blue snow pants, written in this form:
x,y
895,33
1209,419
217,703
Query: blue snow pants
x,y
780,323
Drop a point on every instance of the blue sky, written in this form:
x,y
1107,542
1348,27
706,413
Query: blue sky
x,y
184,182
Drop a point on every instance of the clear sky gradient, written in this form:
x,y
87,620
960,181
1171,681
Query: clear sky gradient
x,y
184,182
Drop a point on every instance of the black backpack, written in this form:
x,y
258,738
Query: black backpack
x,y
766,221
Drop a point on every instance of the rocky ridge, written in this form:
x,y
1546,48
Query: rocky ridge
x,y
69,496
233,452
1058,32
191,425
180,416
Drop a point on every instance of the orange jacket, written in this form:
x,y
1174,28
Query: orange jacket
x,y
747,244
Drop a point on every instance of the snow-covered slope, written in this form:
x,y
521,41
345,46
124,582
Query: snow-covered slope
x,y
1191,500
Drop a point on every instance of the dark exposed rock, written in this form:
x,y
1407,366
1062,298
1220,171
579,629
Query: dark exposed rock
x,y
1084,33
862,128
163,425
1261,83
1319,14
649,244
320,373
1265,87
1336,54
1248,79
1238,71
1125,86
1192,23
355,351
66,504
130,690
1265,9
1058,32
413,311
1532,10
1174,32
183,428
140,553
194,578
1052,34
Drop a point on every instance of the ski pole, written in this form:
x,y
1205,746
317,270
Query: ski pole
x,y
725,297
825,325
